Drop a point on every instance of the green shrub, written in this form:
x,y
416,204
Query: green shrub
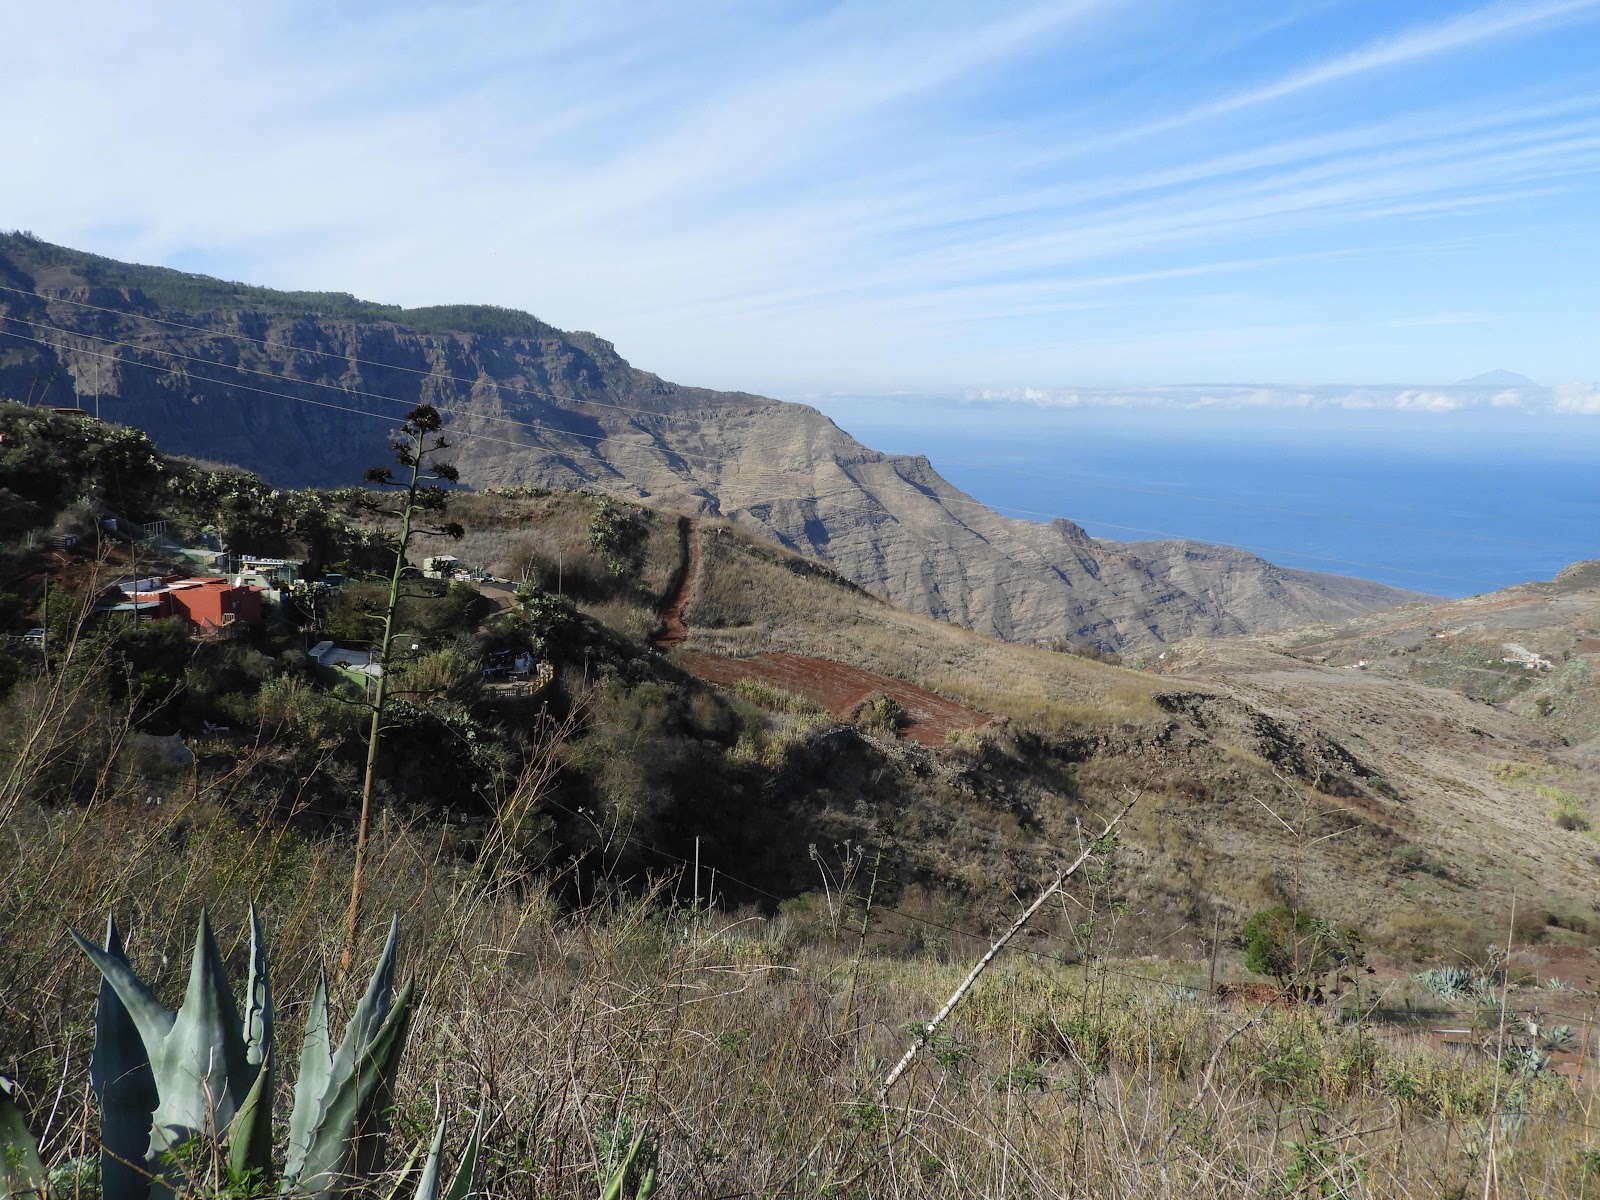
x,y
1298,950
880,714
1567,810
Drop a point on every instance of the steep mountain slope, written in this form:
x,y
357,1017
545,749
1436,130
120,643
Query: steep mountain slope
x,y
300,387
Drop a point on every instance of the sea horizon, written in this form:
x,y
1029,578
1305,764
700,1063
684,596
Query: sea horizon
x,y
1452,505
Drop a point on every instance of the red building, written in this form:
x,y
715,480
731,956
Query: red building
x,y
204,603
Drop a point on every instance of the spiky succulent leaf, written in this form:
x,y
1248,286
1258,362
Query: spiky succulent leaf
x,y
151,1019
428,1185
121,1076
22,1175
258,1013
372,1136
197,1055
322,1074
202,1074
250,1134
371,1011
466,1177
316,1076
466,1173
335,1154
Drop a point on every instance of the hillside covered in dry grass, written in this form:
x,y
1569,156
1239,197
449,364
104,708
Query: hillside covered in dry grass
x,y
718,909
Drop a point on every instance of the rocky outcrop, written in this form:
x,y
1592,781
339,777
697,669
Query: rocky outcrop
x,y
224,372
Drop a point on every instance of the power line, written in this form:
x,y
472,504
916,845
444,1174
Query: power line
x,y
524,391
465,436
267,342
942,501
344,390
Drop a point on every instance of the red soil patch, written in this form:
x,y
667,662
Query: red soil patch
x,y
1576,966
840,689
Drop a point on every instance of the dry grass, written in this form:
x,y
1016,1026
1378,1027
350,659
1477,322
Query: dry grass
x,y
751,597
754,1051
753,1044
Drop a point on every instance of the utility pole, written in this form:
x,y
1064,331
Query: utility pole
x,y
44,642
97,389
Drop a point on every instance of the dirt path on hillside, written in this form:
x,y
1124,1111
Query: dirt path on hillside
x,y
833,686
840,689
673,630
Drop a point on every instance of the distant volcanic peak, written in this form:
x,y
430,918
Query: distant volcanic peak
x,y
1498,378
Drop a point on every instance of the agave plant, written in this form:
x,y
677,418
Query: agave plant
x,y
171,1082
1558,1037
1454,983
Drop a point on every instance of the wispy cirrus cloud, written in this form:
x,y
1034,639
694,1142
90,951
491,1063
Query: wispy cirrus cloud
x,y
1490,23
793,196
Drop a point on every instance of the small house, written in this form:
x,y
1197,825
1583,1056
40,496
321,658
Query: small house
x,y
205,603
326,654
269,570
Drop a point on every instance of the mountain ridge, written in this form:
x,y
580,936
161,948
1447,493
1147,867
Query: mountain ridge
x,y
199,364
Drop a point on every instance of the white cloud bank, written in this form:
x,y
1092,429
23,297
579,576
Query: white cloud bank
x,y
1577,397
1451,398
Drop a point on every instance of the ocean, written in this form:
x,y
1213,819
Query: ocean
x,y
1449,506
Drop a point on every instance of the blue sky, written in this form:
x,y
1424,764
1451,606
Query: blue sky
x,y
1005,200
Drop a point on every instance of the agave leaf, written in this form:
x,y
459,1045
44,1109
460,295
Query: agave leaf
x,y
466,1173
197,1055
121,1076
428,1185
330,1166
466,1177
258,1013
151,1019
322,1076
316,1074
21,1172
250,1134
372,1010
201,1070
372,1125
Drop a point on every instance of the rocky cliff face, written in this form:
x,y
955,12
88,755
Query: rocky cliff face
x,y
303,389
